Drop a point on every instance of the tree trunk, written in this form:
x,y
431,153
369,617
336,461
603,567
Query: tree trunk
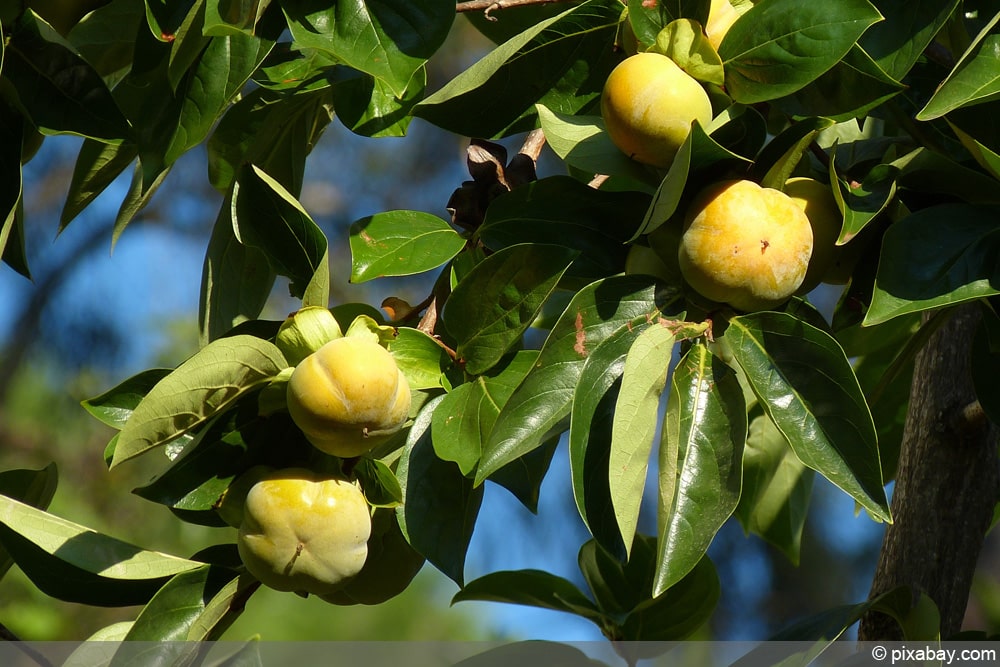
x,y
946,485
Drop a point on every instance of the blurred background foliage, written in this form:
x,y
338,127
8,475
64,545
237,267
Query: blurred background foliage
x,y
90,318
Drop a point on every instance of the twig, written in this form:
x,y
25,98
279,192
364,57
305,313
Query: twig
x,y
533,144
489,6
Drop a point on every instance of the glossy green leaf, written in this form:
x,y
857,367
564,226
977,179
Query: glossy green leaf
x,y
60,91
274,131
898,42
222,69
204,385
680,611
534,588
700,462
379,483
465,417
930,172
697,155
584,143
776,489
618,585
139,194
400,243
936,257
644,377
97,167
374,36
74,563
32,487
420,357
540,405
106,38
861,202
235,281
489,310
268,217
12,127
189,608
590,436
115,406
648,19
232,16
973,80
684,42
806,385
440,504
523,478
560,62
779,46
560,210
368,106
782,154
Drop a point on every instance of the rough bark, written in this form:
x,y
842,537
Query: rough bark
x,y
946,485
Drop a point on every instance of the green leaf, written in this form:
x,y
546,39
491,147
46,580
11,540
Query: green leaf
x,y
584,143
782,154
680,611
379,483
648,19
560,62
97,167
936,257
539,406
235,281
560,210
930,172
268,217
861,202
272,130
776,489
12,127
489,310
701,455
779,46
973,80
367,106
440,504
848,90
465,417
60,90
534,588
806,385
204,385
684,42
389,39
71,562
32,487
590,436
116,405
189,608
400,243
223,67
137,198
644,377
898,42
696,157
232,16
420,357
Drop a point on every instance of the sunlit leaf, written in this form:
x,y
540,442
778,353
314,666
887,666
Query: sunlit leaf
x,y
400,243
806,385
701,458
204,385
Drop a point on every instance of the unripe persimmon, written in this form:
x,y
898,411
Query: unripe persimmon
x,y
348,396
745,245
304,532
648,105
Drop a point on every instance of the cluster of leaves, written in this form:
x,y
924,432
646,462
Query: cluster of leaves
x,y
755,404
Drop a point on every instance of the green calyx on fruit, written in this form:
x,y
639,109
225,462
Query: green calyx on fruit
x,y
820,206
391,566
745,245
305,331
348,396
648,105
304,532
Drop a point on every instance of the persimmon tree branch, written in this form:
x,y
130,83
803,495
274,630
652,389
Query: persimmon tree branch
x,y
489,6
